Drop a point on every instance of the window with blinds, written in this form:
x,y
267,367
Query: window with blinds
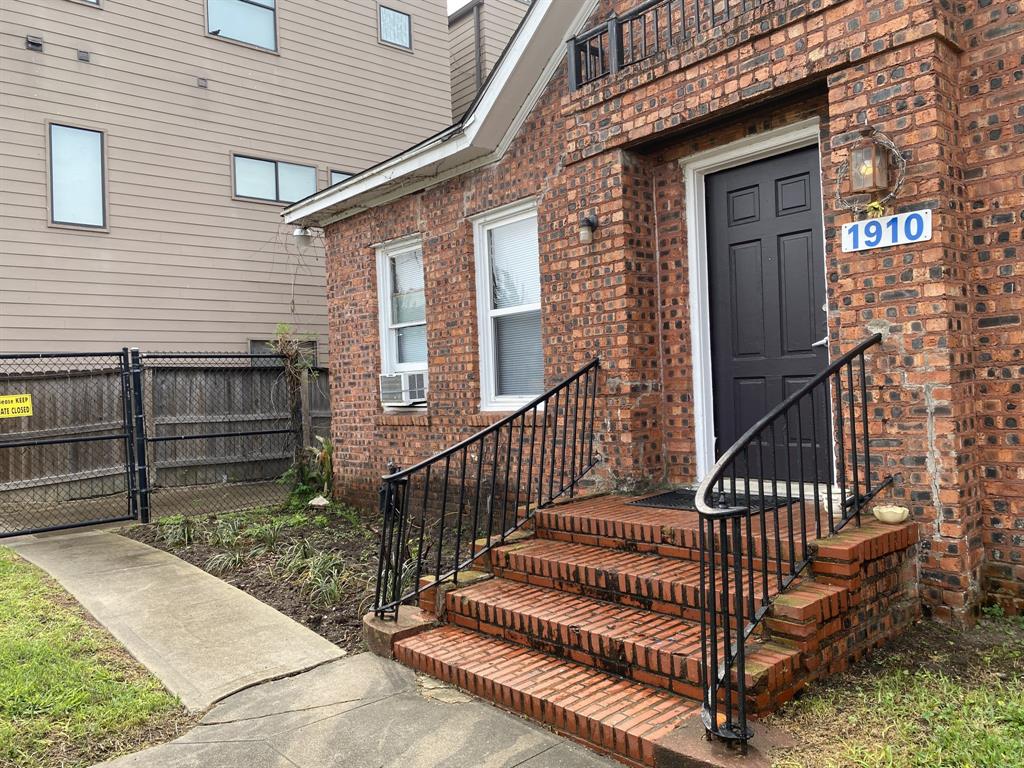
x,y
403,307
510,331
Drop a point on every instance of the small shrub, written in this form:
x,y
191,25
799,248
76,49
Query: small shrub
x,y
223,562
321,521
225,533
293,560
266,534
177,530
295,520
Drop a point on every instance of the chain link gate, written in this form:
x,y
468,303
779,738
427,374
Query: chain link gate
x,y
66,444
104,437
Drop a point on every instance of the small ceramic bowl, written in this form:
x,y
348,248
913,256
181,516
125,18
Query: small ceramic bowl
x,y
890,513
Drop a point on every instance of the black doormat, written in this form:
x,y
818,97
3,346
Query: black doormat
x,y
685,498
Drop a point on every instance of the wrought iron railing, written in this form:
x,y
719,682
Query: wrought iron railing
x,y
801,472
644,31
441,515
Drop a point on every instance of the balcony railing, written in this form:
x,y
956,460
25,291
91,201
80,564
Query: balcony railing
x,y
643,32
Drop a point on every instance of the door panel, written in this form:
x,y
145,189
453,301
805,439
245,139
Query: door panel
x,y
767,288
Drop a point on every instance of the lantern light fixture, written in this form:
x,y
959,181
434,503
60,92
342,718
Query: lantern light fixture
x,y
588,223
869,168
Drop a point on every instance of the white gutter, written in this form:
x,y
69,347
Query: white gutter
x,y
477,138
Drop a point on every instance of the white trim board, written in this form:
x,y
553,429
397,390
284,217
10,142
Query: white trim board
x,y
695,169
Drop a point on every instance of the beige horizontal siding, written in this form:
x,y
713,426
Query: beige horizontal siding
x,y
185,266
462,39
499,20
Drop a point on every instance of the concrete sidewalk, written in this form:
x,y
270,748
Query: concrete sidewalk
x,y
201,637
362,712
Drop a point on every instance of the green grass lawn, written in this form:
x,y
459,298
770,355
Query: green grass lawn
x,y
940,697
70,695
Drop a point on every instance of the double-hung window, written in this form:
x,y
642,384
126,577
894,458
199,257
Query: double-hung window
x,y
272,180
246,21
508,300
77,183
403,317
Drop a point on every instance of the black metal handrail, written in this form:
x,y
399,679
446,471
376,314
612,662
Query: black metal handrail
x,y
757,510
441,515
649,28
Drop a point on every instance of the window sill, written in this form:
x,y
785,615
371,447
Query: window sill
x,y
104,230
403,417
243,44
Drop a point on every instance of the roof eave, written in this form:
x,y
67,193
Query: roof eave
x,y
478,138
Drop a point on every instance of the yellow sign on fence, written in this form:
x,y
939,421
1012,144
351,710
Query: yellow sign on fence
x,y
15,406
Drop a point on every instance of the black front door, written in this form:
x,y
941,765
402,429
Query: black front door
x,y
767,291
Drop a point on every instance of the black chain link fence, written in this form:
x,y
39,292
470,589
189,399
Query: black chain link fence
x,y
65,448
122,435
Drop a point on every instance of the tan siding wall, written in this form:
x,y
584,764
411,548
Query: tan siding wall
x,y
184,266
463,61
500,19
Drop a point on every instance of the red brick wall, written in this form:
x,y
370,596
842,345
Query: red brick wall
x,y
944,390
991,90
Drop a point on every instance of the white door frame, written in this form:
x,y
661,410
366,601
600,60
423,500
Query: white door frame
x,y
695,168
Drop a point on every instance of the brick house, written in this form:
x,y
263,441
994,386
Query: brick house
x,y
666,193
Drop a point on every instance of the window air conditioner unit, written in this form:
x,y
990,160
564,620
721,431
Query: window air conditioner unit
x,y
403,388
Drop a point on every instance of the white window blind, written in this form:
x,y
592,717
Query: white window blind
x,y
511,344
408,307
403,307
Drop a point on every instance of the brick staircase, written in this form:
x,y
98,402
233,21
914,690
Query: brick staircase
x,y
590,623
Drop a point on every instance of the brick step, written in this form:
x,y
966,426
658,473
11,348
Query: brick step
x,y
611,522
667,585
604,711
650,648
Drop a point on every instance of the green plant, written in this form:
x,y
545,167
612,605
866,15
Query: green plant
x,y
223,562
295,520
994,611
177,530
225,533
321,521
293,559
265,533
327,580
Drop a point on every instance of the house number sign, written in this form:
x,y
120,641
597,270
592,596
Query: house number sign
x,y
15,406
900,229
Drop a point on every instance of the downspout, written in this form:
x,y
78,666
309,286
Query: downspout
x,y
478,58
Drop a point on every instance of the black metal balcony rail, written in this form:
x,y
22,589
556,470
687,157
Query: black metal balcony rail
x,y
439,516
648,29
802,472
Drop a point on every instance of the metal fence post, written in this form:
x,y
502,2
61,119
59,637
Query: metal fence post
x,y
140,436
129,431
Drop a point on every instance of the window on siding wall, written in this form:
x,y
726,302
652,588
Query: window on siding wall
x,y
247,21
402,307
508,296
272,180
339,176
395,27
77,177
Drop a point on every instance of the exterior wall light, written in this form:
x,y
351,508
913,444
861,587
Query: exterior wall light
x,y
873,173
869,168
303,237
588,223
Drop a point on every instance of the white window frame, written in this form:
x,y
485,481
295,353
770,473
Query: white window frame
x,y
388,340
482,224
